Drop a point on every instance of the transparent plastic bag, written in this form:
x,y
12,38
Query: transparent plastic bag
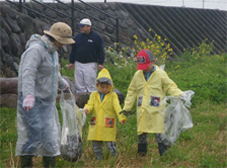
x,y
177,116
73,121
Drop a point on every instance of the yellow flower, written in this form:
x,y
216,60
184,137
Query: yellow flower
x,y
149,30
135,36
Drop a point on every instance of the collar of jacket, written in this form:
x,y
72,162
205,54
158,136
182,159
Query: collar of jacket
x,y
148,74
102,93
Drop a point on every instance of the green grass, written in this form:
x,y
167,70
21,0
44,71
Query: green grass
x,y
205,145
207,76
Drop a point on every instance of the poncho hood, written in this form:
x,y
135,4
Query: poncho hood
x,y
42,40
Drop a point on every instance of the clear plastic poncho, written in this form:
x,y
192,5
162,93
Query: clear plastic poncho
x,y
177,116
38,129
73,121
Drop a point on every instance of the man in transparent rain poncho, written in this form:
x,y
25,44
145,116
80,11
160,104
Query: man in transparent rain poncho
x,y
39,78
149,87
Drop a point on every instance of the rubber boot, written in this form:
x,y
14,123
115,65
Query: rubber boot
x,y
26,161
48,161
114,154
162,149
142,150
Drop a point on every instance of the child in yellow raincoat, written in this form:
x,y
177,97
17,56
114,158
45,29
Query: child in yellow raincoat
x,y
149,86
104,103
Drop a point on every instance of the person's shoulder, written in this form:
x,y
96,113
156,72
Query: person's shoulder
x,y
160,73
36,51
138,72
93,95
78,35
137,75
159,70
36,47
95,34
113,93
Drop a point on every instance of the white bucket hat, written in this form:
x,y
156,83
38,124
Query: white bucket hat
x,y
61,32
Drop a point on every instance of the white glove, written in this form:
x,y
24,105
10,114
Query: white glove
x,y
28,102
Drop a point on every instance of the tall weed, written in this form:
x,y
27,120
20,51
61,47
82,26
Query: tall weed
x,y
204,49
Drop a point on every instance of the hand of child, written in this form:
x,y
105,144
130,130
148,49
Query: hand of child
x,y
122,122
86,111
126,113
123,112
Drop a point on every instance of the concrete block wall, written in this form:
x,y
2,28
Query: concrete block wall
x,y
182,27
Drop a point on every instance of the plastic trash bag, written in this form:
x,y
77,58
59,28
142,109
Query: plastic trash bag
x,y
177,116
73,121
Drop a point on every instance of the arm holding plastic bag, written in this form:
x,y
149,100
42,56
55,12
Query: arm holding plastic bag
x,y
62,83
177,117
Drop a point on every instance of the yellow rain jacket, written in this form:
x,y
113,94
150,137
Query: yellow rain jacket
x,y
149,95
103,122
